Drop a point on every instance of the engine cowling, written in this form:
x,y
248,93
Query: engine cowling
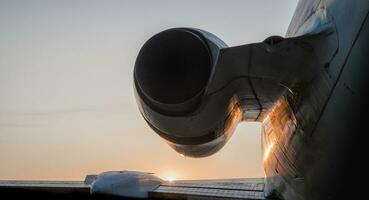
x,y
171,75
192,89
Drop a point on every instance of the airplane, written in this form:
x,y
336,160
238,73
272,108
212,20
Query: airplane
x,y
308,90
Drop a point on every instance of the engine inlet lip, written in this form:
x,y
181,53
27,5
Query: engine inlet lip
x,y
193,100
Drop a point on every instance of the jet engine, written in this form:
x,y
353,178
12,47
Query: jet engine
x,y
193,90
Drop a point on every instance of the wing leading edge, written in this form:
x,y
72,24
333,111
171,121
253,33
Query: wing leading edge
x,y
252,188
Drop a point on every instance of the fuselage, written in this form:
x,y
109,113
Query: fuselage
x,y
309,137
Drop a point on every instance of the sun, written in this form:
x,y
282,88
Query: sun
x,y
169,176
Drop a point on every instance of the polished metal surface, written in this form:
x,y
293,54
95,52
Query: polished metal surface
x,y
225,189
311,136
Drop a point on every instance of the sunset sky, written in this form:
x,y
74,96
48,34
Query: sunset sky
x,y
67,107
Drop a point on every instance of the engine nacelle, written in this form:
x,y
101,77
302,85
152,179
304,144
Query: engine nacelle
x,y
193,90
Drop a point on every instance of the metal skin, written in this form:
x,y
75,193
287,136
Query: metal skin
x,y
312,138
308,91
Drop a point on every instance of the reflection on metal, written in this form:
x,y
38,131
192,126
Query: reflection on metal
x,y
267,151
211,189
197,193
222,134
129,184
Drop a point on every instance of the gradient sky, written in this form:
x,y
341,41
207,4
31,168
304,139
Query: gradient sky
x,y
66,93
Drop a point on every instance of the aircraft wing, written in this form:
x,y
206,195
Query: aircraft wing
x,y
44,190
252,188
189,189
204,189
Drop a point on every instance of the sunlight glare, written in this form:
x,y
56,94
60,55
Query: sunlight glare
x,y
268,150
